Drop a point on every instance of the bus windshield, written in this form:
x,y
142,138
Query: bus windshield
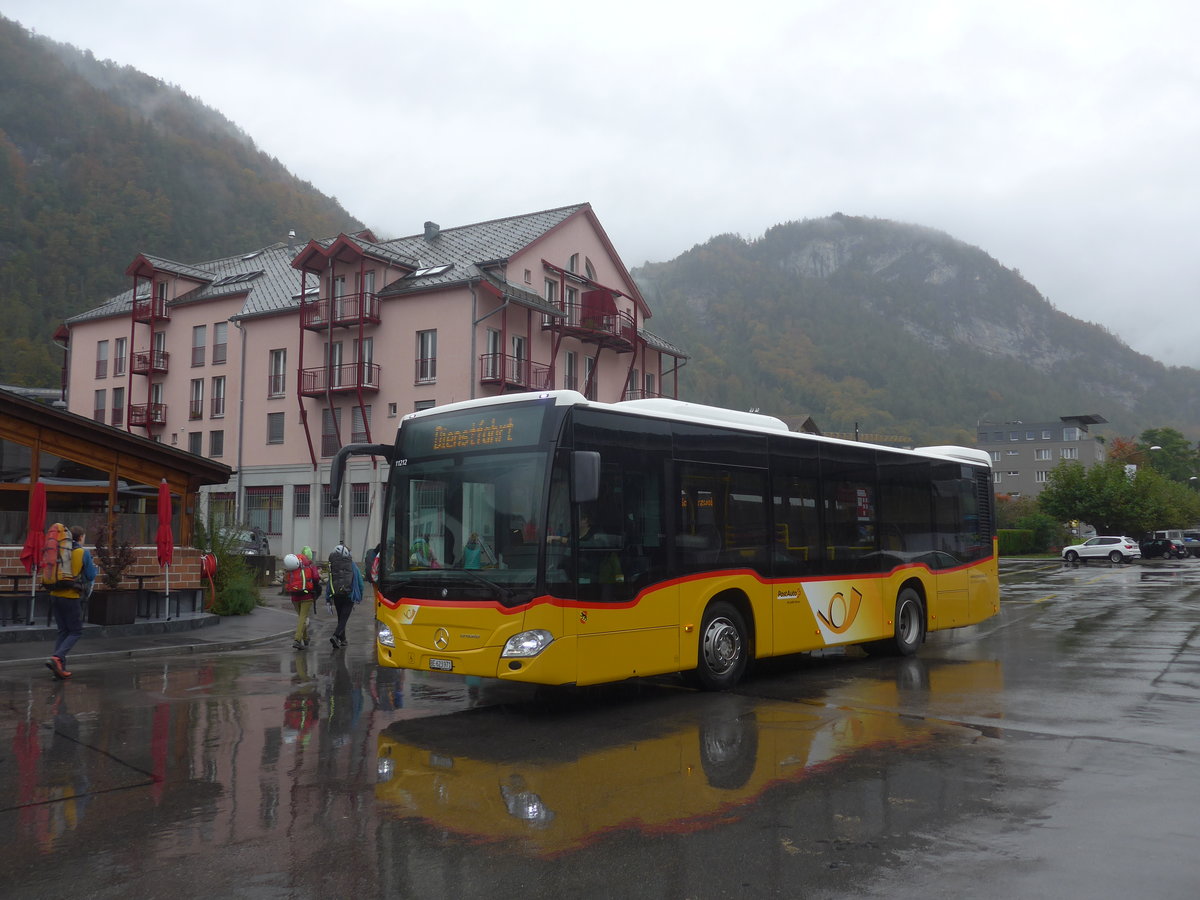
x,y
467,524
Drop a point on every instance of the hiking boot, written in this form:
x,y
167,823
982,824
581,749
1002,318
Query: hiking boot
x,y
55,665
297,645
334,640
343,641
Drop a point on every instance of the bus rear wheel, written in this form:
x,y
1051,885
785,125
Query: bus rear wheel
x,y
724,648
909,628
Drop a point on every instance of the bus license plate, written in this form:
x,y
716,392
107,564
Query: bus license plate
x,y
444,665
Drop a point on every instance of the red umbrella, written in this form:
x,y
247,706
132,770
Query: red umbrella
x,y
31,553
165,539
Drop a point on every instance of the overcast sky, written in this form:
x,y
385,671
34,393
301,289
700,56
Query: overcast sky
x,y
1060,136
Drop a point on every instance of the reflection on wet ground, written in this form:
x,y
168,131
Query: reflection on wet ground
x,y
273,774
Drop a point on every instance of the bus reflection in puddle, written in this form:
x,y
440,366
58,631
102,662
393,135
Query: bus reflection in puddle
x,y
548,782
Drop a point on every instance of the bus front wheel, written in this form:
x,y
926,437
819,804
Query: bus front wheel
x,y
724,648
909,628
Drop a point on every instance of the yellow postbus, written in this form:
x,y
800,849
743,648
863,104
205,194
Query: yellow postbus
x,y
550,539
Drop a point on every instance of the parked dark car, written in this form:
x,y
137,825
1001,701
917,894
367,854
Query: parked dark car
x,y
1161,548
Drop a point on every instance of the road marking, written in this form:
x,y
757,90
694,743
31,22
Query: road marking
x,y
1044,599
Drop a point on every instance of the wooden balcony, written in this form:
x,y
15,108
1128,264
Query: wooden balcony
x,y
347,311
513,373
614,331
150,362
150,310
346,379
147,414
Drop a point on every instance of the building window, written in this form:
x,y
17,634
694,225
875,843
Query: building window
x,y
100,405
529,276
1013,474
331,427
275,428
573,308
222,508
277,377
1012,452
552,292
997,435
365,352
571,372
101,359
1070,434
392,410
995,456
1029,436
120,351
199,341
588,269
218,397
1041,453
300,501
360,500
264,508
118,406
589,370
196,403
1014,435
196,442
651,385
360,424
520,364
1046,434
327,509
216,443
220,345
982,437
426,356
1068,453
1040,476
424,404
491,358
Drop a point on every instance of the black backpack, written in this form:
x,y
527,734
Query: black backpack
x,y
341,574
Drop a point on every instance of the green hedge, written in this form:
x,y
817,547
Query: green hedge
x,y
1017,540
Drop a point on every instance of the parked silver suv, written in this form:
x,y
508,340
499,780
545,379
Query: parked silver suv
x,y
1116,549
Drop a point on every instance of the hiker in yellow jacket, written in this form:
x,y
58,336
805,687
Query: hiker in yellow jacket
x,y
67,604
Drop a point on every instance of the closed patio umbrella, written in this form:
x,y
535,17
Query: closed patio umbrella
x,y
31,553
165,538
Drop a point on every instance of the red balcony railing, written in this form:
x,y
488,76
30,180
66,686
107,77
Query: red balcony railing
x,y
582,321
339,379
512,371
146,362
347,310
151,310
148,414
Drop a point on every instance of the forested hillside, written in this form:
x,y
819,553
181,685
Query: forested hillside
x,y
100,162
899,329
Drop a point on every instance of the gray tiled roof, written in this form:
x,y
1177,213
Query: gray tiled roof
x,y
464,248
654,342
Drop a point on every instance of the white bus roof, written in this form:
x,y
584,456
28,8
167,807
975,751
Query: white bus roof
x,y
682,411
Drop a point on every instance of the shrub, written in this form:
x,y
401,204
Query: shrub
x,y
1016,540
236,593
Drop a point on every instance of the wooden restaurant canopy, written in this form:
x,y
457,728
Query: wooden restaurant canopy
x,y
91,470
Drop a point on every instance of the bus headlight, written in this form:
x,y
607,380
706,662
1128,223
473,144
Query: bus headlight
x,y
527,644
383,773
384,634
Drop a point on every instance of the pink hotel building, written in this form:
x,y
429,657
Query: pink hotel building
x,y
271,360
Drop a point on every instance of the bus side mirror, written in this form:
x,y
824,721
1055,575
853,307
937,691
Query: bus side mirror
x,y
585,467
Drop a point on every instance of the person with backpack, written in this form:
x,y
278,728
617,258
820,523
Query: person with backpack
x,y
68,573
344,590
302,580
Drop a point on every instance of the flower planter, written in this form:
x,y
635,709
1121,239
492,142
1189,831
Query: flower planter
x,y
112,607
